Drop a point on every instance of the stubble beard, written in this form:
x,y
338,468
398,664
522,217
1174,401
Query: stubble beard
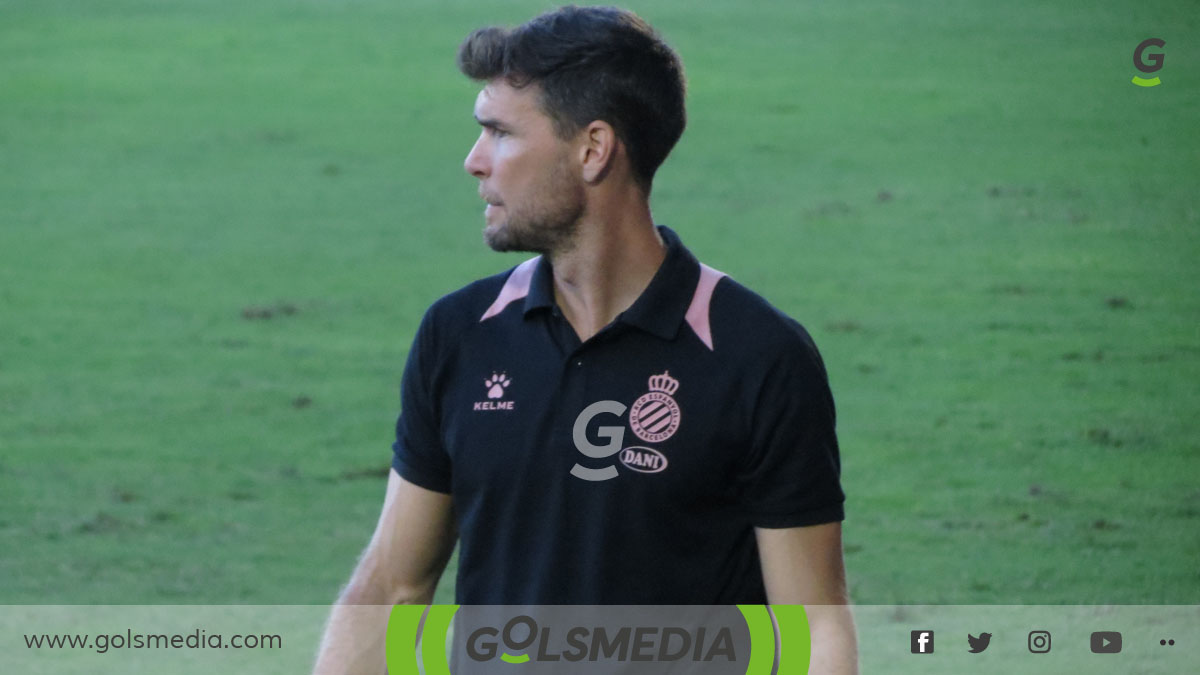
x,y
548,221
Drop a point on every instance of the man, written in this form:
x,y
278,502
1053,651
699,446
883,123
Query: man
x,y
610,422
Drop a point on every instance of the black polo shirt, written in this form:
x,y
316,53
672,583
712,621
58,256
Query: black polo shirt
x,y
628,469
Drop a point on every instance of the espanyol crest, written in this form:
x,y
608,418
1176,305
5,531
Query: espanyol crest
x,y
655,416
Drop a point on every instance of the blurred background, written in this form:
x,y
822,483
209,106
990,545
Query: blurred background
x,y
220,223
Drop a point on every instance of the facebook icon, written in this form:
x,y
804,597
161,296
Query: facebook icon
x,y
922,641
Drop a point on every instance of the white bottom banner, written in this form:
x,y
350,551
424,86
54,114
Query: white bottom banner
x,y
895,639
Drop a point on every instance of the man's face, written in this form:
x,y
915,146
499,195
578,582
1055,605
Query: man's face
x,y
534,192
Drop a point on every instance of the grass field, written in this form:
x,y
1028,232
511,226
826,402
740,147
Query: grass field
x,y
220,223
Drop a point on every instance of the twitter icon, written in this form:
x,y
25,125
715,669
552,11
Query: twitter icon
x,y
980,643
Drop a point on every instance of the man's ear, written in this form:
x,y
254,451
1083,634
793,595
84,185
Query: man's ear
x,y
598,151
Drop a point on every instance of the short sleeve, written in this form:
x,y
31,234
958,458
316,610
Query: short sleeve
x,y
792,474
418,454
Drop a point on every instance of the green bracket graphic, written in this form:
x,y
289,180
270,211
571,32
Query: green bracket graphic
x,y
795,644
1152,82
433,647
404,631
762,639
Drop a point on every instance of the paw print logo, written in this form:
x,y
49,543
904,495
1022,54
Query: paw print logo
x,y
496,385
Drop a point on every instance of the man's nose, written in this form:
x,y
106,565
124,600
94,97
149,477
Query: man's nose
x,y
476,162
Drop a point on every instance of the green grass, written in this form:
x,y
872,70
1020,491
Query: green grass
x,y
991,233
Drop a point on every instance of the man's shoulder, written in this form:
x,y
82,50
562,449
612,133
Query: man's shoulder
x,y
746,322
466,306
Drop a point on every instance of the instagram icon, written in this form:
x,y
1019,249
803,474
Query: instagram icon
x,y
1039,641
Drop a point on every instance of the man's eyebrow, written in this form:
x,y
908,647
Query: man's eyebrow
x,y
489,123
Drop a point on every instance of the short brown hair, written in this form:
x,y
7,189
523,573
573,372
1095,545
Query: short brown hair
x,y
591,63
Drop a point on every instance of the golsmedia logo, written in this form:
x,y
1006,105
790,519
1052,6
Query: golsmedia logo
x,y
563,639
1148,63
628,643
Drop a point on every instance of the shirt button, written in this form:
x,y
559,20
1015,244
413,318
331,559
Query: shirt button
x,y
578,363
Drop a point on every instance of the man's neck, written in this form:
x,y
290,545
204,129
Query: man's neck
x,y
611,262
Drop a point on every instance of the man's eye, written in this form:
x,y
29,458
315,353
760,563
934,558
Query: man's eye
x,y
498,133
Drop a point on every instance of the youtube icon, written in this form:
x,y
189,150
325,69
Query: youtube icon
x,y
1106,642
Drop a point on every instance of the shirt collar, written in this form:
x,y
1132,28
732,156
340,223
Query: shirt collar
x,y
659,309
